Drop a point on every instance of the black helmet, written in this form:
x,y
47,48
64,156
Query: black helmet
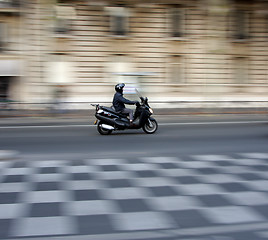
x,y
119,87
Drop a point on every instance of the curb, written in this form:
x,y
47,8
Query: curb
x,y
157,111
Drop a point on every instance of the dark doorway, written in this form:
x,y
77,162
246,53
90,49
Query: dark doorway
x,y
4,88
4,92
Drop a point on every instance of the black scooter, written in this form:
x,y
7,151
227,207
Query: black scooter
x,y
109,120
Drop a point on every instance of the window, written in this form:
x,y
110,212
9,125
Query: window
x,y
266,26
176,22
3,35
239,24
59,69
119,64
5,2
241,27
241,70
9,3
121,68
63,17
118,20
176,70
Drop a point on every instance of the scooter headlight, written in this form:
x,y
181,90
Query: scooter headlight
x,y
151,110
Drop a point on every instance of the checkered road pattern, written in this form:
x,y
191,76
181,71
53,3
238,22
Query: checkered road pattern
x,y
109,197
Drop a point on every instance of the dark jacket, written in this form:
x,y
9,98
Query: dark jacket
x,y
119,102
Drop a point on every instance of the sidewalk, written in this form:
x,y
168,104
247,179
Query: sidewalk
x,y
162,198
179,108
8,155
161,109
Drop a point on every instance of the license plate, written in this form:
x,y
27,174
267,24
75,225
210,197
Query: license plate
x,y
95,122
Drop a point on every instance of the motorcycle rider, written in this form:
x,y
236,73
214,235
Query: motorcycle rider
x,y
119,102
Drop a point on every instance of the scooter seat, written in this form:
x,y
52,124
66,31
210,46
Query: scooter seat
x,y
112,110
109,109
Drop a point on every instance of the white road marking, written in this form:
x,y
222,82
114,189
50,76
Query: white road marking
x,y
209,123
48,126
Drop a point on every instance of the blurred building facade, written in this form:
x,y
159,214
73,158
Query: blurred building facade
x,y
170,49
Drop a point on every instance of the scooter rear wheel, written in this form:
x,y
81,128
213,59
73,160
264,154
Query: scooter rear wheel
x,y
102,130
150,127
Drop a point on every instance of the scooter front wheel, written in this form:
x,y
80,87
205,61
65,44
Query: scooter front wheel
x,y
102,130
150,126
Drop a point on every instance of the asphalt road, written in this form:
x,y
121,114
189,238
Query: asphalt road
x,y
197,177
177,135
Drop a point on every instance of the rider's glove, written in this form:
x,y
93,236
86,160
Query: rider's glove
x,y
137,103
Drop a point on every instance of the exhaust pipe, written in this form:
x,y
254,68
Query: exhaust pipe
x,y
108,127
